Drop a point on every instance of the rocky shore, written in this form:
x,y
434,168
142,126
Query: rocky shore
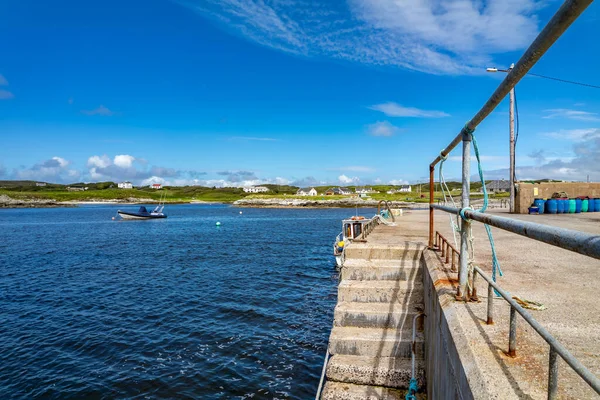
x,y
9,202
310,203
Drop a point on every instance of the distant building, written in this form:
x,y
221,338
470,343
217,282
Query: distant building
x,y
76,188
256,189
338,191
156,186
40,184
125,185
405,189
365,190
392,191
498,186
306,192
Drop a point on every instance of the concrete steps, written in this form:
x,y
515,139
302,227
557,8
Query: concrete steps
x,y
374,315
368,270
375,342
380,291
409,251
348,391
379,294
374,371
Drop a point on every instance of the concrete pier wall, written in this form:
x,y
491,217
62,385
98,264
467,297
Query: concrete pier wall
x,y
446,377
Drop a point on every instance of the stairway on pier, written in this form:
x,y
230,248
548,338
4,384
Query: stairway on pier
x,y
380,292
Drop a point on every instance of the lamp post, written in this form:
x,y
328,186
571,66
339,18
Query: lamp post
x,y
511,117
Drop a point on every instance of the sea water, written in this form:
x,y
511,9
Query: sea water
x,y
92,307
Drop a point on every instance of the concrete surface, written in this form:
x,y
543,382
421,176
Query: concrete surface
x,y
565,282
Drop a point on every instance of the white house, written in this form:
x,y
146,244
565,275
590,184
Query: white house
x,y
125,185
156,186
392,191
338,191
405,188
256,189
365,190
40,184
306,192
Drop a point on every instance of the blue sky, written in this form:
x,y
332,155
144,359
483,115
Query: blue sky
x,y
240,92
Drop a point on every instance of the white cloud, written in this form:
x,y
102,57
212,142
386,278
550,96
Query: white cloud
x,y
3,81
346,179
398,182
98,161
392,109
576,115
382,128
124,161
55,169
440,37
575,135
101,110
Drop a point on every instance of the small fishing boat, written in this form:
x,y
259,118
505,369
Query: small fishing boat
x,y
354,227
143,213
351,230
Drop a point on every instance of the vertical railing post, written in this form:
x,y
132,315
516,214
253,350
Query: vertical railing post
x,y
512,338
553,375
431,171
474,294
465,225
447,252
490,310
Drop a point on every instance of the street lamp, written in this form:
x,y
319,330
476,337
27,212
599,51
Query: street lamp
x,y
511,117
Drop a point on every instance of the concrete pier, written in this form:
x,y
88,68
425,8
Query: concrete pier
x,y
392,276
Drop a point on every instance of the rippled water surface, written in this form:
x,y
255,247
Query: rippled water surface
x,y
96,308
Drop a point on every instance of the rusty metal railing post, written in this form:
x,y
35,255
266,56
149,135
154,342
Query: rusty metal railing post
x,y
490,308
465,225
553,374
431,171
512,338
474,294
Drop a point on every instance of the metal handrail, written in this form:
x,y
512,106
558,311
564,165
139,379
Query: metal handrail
x,y
445,246
388,208
556,348
564,17
579,242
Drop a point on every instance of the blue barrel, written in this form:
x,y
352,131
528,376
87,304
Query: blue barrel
x,y
596,205
578,205
585,205
560,206
539,203
591,205
551,206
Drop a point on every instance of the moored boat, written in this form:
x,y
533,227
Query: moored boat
x,y
143,213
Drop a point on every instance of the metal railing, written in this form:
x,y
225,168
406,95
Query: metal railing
x,y
368,228
556,348
449,252
578,242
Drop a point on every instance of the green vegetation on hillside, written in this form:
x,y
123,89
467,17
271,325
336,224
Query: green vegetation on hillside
x,y
105,191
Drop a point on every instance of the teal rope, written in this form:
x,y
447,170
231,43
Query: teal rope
x,y
412,390
488,229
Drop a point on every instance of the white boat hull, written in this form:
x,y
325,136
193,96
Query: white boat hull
x,y
125,215
339,260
